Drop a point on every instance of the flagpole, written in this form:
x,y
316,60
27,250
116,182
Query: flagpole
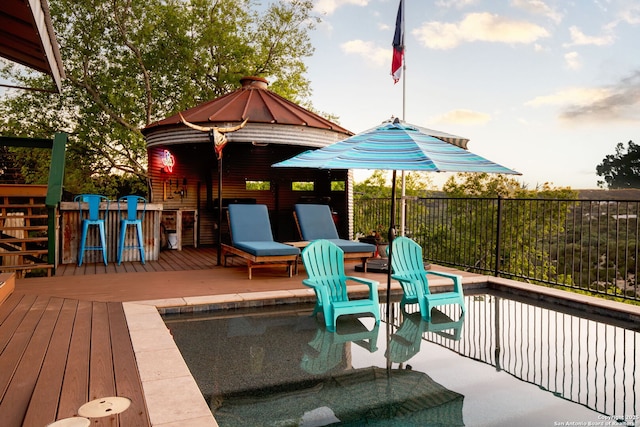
x,y
404,91
398,44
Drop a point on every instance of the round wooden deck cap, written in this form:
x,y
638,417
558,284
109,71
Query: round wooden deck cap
x,y
104,407
71,422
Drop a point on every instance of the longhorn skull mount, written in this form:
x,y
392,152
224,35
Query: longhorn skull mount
x,y
217,134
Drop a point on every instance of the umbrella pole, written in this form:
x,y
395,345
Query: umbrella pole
x,y
391,236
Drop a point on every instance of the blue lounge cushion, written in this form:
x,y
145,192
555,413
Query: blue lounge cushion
x,y
250,223
316,222
262,248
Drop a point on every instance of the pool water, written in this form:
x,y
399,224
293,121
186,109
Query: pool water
x,y
505,362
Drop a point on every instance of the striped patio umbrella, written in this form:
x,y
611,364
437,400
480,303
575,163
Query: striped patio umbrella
x,y
397,146
394,146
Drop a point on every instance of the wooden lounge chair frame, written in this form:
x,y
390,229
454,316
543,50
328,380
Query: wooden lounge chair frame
x,y
260,261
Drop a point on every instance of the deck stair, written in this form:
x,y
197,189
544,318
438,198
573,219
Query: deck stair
x,y
24,229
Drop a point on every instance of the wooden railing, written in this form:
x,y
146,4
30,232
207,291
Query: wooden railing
x,y
24,235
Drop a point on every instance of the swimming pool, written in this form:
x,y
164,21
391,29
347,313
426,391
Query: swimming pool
x,y
508,361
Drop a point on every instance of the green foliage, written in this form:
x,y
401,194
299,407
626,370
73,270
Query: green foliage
x,y
373,218
377,186
302,186
622,169
258,185
523,224
131,62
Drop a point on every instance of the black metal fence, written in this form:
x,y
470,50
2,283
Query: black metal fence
x,y
589,245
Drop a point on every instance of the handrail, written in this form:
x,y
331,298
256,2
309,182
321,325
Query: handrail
x,y
55,183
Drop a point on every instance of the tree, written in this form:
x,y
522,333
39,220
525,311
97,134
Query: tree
x,y
621,170
373,217
529,229
376,185
131,62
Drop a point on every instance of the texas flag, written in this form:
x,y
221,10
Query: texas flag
x,y
398,45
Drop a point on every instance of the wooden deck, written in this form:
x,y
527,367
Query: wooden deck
x,y
58,354
189,258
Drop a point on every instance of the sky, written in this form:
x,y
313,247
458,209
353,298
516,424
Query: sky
x,y
548,88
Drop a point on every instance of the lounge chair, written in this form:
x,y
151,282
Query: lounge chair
x,y
252,239
316,222
324,263
408,269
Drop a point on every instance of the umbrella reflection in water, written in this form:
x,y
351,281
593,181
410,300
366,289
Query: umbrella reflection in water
x,y
338,394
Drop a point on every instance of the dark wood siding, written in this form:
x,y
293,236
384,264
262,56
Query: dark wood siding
x,y
193,184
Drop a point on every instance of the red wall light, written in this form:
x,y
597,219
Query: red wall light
x,y
168,161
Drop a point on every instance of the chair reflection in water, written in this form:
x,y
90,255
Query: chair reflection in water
x,y
408,269
326,350
94,218
405,342
131,217
324,263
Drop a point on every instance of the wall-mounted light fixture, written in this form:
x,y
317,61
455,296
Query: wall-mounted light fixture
x,y
168,161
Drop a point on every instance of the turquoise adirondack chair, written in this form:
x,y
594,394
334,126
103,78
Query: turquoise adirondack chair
x,y
324,262
408,269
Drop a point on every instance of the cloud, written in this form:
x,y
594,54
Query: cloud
x,y
619,102
478,27
458,4
578,38
572,59
538,7
569,96
631,15
367,50
462,116
330,6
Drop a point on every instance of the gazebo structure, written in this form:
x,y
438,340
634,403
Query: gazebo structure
x,y
184,170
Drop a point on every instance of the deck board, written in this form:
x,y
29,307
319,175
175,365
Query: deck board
x,y
21,388
125,369
43,406
75,384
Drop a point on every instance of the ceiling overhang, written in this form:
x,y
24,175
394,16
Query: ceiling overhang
x,y
27,37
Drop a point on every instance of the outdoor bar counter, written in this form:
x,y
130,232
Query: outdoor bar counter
x,y
71,233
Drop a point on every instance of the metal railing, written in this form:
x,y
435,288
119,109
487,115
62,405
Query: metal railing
x,y
589,245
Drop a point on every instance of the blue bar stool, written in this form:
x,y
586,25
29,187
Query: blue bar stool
x,y
94,218
131,218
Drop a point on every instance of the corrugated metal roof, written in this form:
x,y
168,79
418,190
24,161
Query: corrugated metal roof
x,y
255,102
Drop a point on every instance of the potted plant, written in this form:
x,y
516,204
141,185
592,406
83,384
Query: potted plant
x,y
380,236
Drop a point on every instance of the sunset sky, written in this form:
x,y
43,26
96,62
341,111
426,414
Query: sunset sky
x,y
547,88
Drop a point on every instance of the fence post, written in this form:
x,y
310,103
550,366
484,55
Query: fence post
x,y
496,271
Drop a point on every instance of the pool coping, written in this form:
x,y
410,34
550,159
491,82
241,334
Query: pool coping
x,y
172,396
